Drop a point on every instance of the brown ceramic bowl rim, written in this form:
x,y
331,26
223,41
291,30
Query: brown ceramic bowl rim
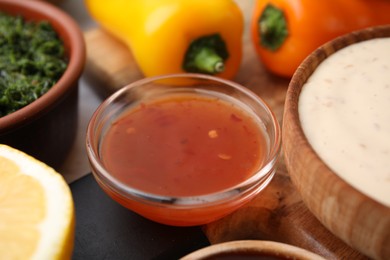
x,y
74,43
267,248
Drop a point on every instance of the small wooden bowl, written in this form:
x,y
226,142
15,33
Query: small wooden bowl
x,y
251,249
358,220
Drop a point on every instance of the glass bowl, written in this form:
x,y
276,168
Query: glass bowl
x,y
182,205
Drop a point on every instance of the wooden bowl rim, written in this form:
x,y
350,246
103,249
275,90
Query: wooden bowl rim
x,y
306,69
268,248
291,122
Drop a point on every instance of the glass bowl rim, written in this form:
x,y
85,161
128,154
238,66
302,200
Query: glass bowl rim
x,y
263,175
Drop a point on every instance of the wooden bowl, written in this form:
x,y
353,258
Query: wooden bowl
x,y
357,219
252,249
46,127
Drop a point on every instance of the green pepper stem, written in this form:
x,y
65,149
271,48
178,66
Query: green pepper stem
x,y
272,28
208,61
206,54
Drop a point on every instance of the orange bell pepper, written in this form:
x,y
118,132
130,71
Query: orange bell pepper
x,y
285,32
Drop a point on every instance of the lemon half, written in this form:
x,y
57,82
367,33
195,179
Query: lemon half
x,y
36,209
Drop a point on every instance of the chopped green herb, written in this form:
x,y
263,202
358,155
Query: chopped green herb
x,y
32,59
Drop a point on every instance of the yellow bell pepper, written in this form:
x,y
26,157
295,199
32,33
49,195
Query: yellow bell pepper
x,y
175,36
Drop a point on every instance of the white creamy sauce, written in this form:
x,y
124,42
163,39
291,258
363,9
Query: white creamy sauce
x,y
344,109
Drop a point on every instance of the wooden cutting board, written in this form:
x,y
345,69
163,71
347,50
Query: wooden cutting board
x,y
278,212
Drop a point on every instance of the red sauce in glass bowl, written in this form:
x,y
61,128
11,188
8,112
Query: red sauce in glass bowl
x,y
184,145
184,149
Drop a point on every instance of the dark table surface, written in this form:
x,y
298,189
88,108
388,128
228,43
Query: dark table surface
x,y
106,230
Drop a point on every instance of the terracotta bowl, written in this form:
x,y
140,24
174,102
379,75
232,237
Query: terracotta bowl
x,y
359,220
46,127
252,249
